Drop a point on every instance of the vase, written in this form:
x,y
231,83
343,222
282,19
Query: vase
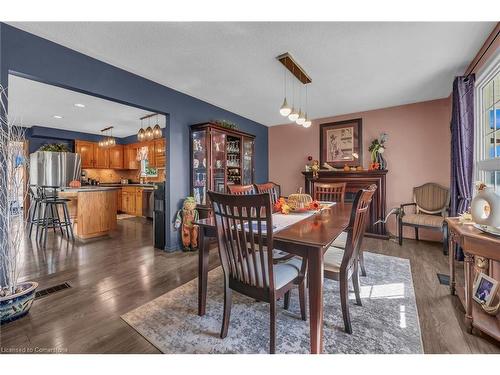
x,y
381,161
17,305
485,207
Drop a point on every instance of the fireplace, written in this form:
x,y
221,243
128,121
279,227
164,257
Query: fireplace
x,y
355,181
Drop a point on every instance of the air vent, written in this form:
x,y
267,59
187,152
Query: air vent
x,y
53,289
443,279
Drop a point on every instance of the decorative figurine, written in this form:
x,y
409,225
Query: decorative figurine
x,y
315,168
184,219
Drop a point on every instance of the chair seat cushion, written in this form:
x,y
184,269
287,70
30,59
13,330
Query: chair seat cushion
x,y
340,241
333,259
284,272
424,220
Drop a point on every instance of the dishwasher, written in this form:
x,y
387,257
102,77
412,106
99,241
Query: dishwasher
x,y
147,202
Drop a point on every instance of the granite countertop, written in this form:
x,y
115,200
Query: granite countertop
x,y
84,189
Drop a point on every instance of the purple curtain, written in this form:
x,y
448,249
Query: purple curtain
x,y
462,146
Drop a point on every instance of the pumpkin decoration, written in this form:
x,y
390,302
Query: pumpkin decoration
x,y
75,184
346,168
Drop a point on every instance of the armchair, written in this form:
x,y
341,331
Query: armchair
x,y
430,208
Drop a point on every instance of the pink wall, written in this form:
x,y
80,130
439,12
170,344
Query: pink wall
x,y
418,149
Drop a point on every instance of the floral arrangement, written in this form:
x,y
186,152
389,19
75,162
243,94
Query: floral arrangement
x,y
284,207
226,124
376,149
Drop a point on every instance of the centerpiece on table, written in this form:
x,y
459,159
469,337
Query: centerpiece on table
x,y
377,148
297,203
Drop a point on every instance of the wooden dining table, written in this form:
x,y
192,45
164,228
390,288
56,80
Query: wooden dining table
x,y
308,238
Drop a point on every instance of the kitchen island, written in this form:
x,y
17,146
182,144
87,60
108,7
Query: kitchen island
x,y
92,210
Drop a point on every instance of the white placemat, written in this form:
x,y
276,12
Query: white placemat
x,y
282,221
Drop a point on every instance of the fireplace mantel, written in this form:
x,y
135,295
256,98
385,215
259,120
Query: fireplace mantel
x,y
355,181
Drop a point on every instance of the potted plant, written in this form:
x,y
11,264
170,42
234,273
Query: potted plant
x,y
16,297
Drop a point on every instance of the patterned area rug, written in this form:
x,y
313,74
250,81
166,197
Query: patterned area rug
x,y
386,323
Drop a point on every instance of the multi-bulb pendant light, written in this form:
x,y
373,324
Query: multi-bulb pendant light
x,y
150,133
108,140
297,116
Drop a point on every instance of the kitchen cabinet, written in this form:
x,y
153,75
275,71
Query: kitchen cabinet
x,y
151,153
101,156
128,202
138,201
116,157
119,200
130,156
86,151
160,154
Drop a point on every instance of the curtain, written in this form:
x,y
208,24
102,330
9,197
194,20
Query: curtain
x,y
462,146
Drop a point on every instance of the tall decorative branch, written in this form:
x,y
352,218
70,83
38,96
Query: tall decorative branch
x,y
13,164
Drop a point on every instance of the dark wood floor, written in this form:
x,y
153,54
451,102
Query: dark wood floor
x,y
113,276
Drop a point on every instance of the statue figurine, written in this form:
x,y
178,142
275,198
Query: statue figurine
x,y
184,220
315,168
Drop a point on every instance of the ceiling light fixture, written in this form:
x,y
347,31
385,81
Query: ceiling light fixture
x,y
149,131
79,105
108,140
298,116
157,133
58,117
285,109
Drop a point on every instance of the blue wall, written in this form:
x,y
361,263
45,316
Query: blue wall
x,y
26,54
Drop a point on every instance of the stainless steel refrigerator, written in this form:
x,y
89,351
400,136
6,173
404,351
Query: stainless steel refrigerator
x,y
54,168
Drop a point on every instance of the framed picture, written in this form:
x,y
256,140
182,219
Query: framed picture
x,y
341,143
485,289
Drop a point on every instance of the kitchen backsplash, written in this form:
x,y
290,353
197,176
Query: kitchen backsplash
x,y
113,175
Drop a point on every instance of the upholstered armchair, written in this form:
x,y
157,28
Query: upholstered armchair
x,y
430,207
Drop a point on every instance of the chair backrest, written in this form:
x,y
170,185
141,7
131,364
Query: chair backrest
x,y
240,189
332,192
274,190
244,233
357,225
431,198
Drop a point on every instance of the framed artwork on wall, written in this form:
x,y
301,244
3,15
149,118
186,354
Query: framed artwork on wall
x,y
341,143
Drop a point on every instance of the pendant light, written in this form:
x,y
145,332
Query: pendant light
x,y
157,129
149,131
294,115
285,109
307,123
300,120
141,134
108,140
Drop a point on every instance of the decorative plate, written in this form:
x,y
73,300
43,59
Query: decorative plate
x,y
488,229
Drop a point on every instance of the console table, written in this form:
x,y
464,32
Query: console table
x,y
356,180
482,254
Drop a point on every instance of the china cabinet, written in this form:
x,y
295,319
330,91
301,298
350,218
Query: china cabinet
x,y
219,157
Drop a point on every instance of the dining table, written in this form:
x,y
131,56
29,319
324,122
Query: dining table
x,y
307,236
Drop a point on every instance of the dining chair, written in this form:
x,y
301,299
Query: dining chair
x,y
330,192
274,190
343,264
240,189
245,239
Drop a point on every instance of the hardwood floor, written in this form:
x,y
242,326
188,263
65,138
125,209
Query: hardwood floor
x,y
113,276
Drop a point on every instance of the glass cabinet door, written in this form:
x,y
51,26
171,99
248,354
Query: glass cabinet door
x,y
248,155
218,161
199,139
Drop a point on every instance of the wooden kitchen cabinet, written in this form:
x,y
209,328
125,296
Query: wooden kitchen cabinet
x,y
138,201
128,202
160,154
116,157
119,200
101,155
86,151
130,156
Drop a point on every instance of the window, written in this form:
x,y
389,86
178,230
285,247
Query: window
x,y
488,125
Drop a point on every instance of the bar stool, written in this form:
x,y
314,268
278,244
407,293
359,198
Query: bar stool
x,y
36,198
51,218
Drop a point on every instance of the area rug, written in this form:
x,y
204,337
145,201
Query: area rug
x,y
386,323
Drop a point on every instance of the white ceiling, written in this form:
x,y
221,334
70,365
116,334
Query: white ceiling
x,y
354,66
33,103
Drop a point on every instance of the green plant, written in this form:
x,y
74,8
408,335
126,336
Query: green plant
x,y
226,124
55,147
